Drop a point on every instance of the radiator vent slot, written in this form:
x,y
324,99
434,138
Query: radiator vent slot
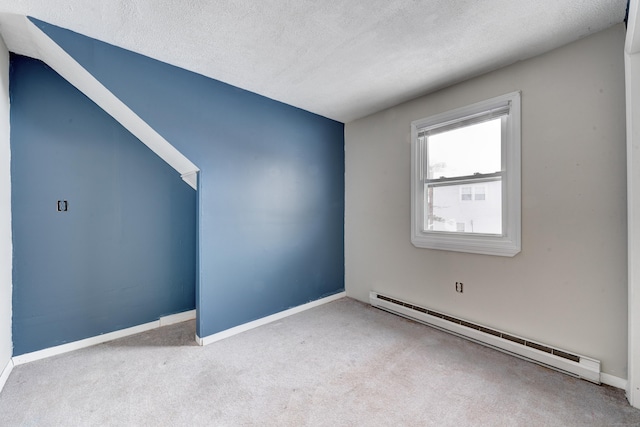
x,y
562,360
486,330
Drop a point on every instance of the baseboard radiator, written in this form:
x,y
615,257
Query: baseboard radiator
x,y
554,358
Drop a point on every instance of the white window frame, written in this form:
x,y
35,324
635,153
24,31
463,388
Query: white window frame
x,y
507,244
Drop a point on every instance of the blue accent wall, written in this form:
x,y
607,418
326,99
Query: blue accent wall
x,y
271,190
125,252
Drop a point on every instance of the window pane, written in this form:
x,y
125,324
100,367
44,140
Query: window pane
x,y
447,209
465,193
465,151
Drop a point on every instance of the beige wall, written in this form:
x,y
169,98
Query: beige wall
x,y
567,287
6,347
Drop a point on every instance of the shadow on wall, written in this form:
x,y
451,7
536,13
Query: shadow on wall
x,y
123,253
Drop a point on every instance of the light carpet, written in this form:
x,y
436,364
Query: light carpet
x,y
340,364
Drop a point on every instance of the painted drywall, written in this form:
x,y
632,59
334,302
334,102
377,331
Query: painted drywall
x,y
6,345
124,252
632,89
271,188
568,286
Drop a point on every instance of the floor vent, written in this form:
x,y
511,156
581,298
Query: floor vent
x,y
561,360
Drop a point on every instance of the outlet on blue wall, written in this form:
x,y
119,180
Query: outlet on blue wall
x,y
124,252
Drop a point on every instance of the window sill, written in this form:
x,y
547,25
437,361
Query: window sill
x,y
477,244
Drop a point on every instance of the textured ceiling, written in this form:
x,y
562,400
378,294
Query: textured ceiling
x,y
340,59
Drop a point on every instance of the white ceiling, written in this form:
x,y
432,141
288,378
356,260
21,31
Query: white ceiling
x,y
337,58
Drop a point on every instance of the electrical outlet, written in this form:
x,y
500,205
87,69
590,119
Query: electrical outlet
x,y
459,287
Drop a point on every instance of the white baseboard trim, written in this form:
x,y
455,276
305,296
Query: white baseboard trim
x,y
177,318
613,381
88,342
265,320
4,376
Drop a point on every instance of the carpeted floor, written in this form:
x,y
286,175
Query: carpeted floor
x,y
341,364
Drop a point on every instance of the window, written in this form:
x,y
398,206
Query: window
x,y
478,192
465,193
465,178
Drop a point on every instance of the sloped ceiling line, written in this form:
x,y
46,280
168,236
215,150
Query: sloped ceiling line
x,y
23,37
343,60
